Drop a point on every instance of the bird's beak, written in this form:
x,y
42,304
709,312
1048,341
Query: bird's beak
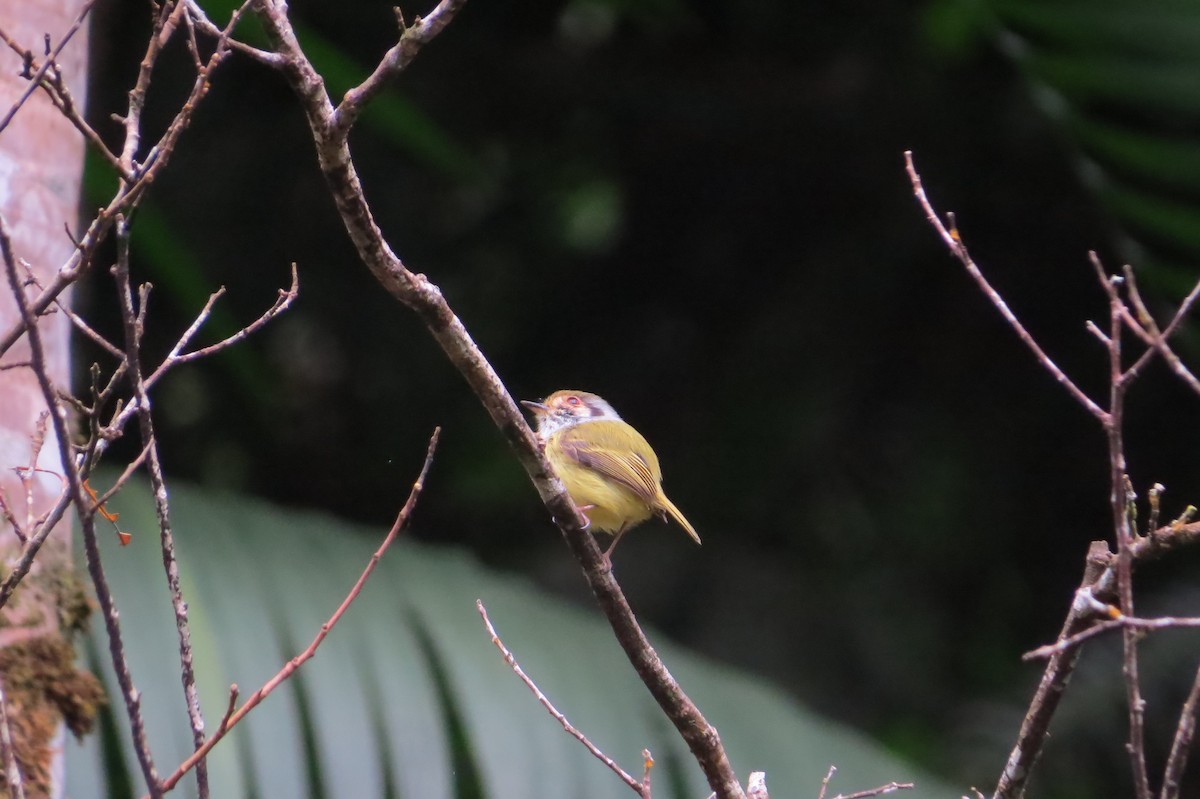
x,y
536,407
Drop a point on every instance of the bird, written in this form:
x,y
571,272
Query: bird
x,y
609,469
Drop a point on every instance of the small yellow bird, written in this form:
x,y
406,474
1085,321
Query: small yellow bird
x,y
608,468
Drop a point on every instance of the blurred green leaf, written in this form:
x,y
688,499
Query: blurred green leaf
x,y
411,655
1123,80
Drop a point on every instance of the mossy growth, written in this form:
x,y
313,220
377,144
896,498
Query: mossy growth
x,y
72,602
43,686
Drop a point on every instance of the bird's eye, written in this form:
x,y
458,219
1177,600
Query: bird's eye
x,y
574,402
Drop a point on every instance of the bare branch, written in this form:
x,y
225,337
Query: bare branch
x,y
133,323
86,518
1090,326
1107,574
1144,326
958,249
1182,743
12,771
87,330
638,787
1036,724
35,79
647,765
881,790
395,61
120,482
137,95
1094,597
200,18
32,546
231,719
130,192
756,786
176,356
1123,508
825,782
890,787
1108,625
426,300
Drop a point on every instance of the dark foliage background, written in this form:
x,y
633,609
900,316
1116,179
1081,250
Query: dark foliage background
x,y
699,211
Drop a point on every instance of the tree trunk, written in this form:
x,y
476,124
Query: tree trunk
x,y
41,169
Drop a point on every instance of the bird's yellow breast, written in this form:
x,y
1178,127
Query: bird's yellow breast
x,y
615,506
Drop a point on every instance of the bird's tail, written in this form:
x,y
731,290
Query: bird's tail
x,y
669,507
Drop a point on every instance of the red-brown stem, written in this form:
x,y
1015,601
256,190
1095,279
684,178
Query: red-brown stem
x,y
232,719
133,325
640,788
958,249
1121,499
1185,731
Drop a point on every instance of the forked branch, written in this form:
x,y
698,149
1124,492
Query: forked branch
x,y
233,717
330,129
1105,599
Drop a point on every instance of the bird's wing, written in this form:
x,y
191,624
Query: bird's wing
x,y
610,459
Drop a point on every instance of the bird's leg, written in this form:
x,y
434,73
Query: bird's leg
x,y
583,509
613,545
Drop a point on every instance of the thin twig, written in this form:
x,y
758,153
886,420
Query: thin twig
x,y
36,79
25,475
200,18
128,193
1108,625
825,782
60,97
230,707
87,330
1123,508
1117,575
890,787
958,249
177,356
12,770
181,13
137,95
638,787
231,719
1153,496
887,788
412,39
69,272
13,522
79,497
1042,707
132,320
126,474
32,546
1181,744
426,300
1144,326
756,786
647,767
1090,326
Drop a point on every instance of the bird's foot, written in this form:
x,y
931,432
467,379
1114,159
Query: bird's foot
x,y
607,553
583,509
